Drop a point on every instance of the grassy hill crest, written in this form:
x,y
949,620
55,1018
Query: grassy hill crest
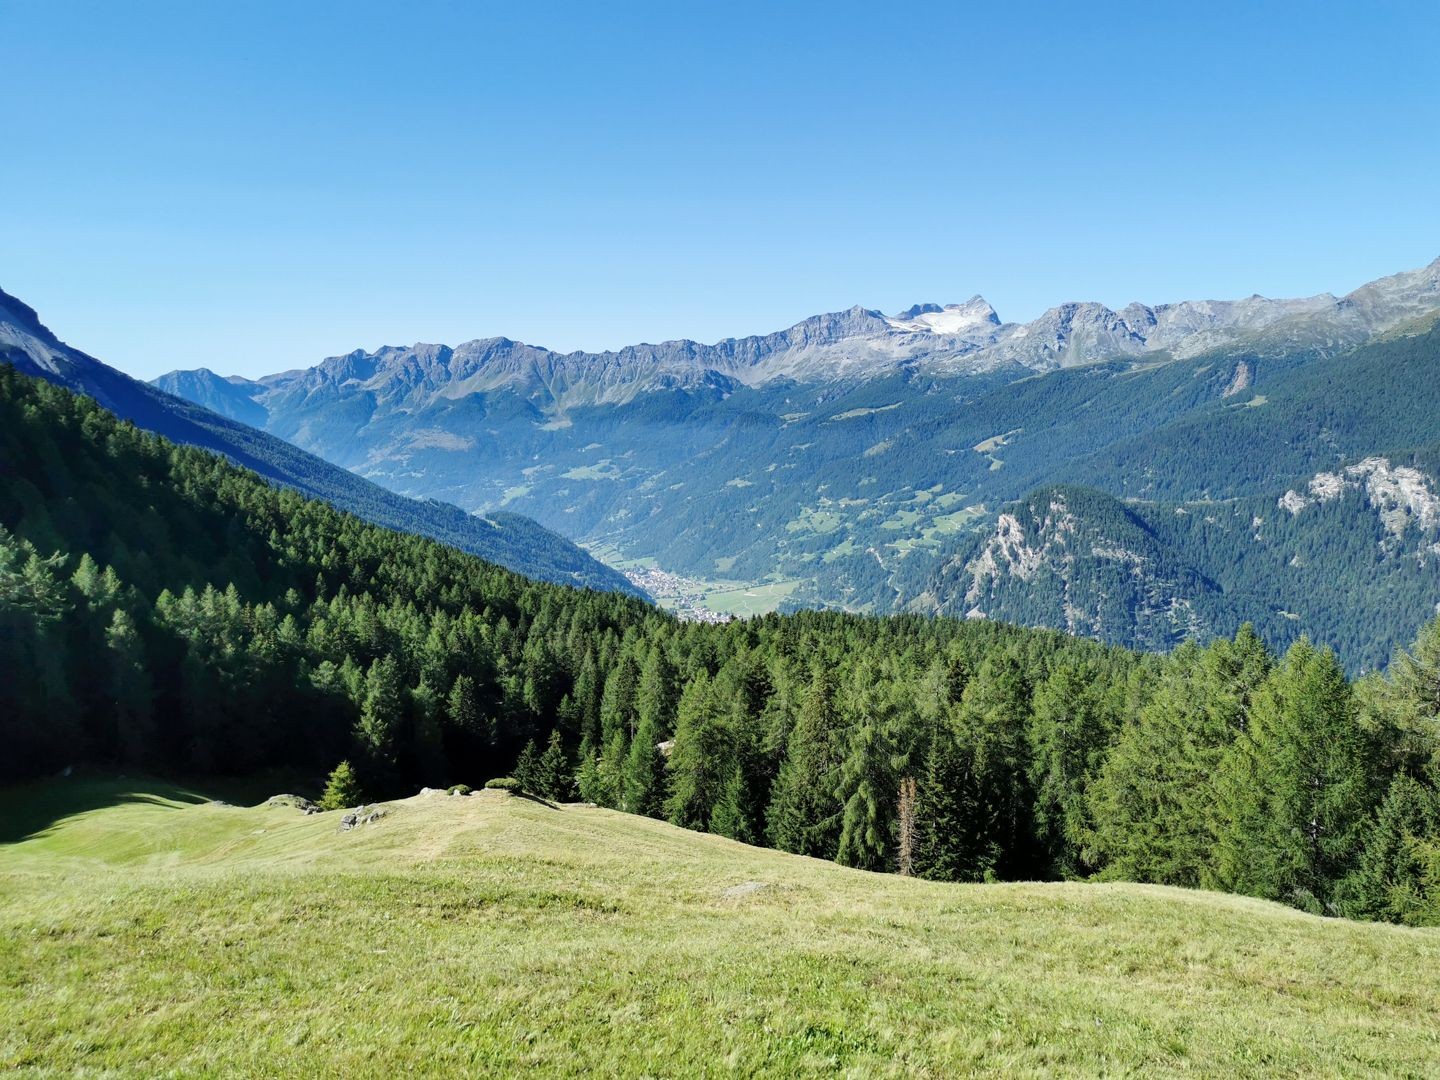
x,y
494,933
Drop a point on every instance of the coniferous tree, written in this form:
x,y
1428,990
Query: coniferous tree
x,y
1392,880
1154,802
129,688
343,789
1068,736
951,843
867,783
527,769
730,816
553,770
428,744
381,711
701,760
658,696
645,780
804,814
1296,787
992,717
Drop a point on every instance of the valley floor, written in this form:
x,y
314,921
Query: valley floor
x,y
144,930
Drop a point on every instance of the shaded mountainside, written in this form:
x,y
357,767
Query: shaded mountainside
x,y
508,539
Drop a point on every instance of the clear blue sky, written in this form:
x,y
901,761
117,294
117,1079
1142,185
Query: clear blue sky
x,y
254,186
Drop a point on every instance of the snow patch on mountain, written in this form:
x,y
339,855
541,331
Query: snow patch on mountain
x,y
975,314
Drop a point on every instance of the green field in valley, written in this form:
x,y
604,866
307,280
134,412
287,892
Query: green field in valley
x,y
147,931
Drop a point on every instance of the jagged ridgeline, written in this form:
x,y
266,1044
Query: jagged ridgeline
x,y
163,609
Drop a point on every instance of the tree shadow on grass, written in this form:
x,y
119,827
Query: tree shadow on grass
x,y
32,809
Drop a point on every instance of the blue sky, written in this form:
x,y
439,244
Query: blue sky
x,y
251,187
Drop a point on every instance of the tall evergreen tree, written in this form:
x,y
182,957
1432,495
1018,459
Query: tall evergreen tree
x,y
1296,787
554,773
702,758
951,842
804,813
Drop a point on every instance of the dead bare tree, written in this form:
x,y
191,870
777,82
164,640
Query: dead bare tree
x,y
907,825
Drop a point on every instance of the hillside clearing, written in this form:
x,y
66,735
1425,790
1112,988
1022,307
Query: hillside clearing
x,y
148,931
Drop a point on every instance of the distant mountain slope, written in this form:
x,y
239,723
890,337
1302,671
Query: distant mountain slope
x,y
1351,558
1371,399
510,540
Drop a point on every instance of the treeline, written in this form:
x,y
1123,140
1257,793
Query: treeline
x,y
162,609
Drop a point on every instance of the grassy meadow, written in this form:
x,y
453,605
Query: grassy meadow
x,y
145,930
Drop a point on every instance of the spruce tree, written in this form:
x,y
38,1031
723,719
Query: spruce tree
x,y
951,838
381,711
553,770
702,758
867,782
343,789
645,781
527,769
1154,804
730,817
130,689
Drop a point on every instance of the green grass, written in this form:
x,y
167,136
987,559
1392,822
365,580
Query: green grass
x,y
144,933
601,470
747,600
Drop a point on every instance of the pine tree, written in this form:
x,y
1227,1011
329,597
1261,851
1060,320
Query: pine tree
x,y
343,789
462,710
702,758
130,689
617,703
1068,736
1154,802
993,716
658,696
527,769
729,817
867,782
951,841
607,783
381,711
645,782
428,747
554,770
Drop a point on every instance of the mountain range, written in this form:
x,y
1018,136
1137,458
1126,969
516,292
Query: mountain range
x,y
870,462
911,461
509,539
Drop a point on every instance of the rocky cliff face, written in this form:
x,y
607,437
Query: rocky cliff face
x,y
1077,560
1401,496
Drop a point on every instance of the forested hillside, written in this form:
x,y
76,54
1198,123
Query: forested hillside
x,y
163,609
506,538
1354,567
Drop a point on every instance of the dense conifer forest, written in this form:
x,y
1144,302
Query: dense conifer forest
x,y
162,609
